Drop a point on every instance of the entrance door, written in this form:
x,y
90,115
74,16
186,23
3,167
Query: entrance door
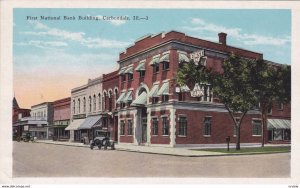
x,y
144,130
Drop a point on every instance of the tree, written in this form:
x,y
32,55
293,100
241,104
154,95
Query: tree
x,y
271,82
232,86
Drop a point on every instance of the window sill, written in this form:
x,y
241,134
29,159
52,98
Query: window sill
x,y
206,135
165,135
122,135
256,135
129,135
154,135
182,136
165,70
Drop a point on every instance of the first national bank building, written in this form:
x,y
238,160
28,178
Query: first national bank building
x,y
154,110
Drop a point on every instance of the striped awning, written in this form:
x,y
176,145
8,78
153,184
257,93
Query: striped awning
x,y
122,71
154,60
121,97
128,96
164,90
141,66
129,70
153,91
184,88
165,58
74,125
140,100
183,57
279,124
89,122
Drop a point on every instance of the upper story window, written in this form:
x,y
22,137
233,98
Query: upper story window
x,y
78,106
73,106
99,101
155,68
141,68
123,77
90,104
129,71
165,60
130,77
84,104
280,106
165,98
94,102
155,64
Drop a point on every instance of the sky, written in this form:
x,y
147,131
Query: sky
x,y
50,57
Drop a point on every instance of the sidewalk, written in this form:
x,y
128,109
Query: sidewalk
x,y
177,151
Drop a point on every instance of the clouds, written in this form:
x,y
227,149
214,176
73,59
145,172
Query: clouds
x,y
43,44
66,36
207,29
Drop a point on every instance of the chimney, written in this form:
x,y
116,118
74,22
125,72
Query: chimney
x,y
222,38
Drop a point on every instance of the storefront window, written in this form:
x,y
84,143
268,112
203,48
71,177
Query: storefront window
x,y
182,126
129,131
122,127
256,127
207,126
154,126
165,126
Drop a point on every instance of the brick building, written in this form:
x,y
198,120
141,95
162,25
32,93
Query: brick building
x,y
18,114
61,118
153,110
109,112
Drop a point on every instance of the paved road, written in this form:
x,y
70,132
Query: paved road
x,y
46,160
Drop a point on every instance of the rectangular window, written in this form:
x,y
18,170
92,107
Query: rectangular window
x,y
182,126
165,126
270,109
280,106
154,126
165,98
122,127
155,68
256,127
130,77
129,130
154,100
207,126
166,65
123,77
142,74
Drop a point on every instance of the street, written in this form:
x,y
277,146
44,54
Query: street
x,y
47,160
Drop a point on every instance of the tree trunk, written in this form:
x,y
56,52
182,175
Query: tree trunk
x,y
238,142
264,122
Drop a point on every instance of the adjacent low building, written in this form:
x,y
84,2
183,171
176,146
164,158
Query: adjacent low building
x,y
18,114
61,119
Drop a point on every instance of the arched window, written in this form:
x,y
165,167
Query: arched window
x,y
104,101
84,104
116,97
94,103
73,106
78,106
90,103
99,101
110,100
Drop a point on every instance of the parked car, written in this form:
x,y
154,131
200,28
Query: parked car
x,y
26,137
102,140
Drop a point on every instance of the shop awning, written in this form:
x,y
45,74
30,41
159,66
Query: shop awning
x,y
141,66
154,60
140,100
164,90
153,91
183,57
165,58
121,97
279,124
89,122
74,125
129,70
122,71
128,96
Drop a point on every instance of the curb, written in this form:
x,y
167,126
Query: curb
x,y
177,155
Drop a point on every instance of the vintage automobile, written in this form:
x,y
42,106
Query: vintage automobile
x,y
102,141
26,137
